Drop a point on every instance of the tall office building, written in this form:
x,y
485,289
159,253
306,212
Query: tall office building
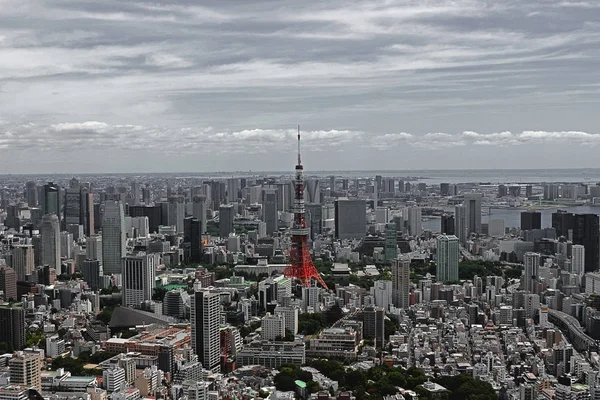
x,y
448,255
25,370
113,237
472,203
192,238
373,325
578,259
401,282
12,325
314,219
269,210
350,219
23,260
447,224
199,211
531,220
412,215
391,242
31,194
139,273
8,283
93,248
50,233
51,200
226,218
92,271
460,224
233,188
531,271
583,229
153,212
205,316
176,212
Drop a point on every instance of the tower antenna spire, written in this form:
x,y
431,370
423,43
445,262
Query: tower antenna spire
x,y
299,161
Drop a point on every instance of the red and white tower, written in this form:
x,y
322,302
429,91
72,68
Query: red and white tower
x,y
300,265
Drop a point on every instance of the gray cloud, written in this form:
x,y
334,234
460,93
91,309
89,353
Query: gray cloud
x,y
231,78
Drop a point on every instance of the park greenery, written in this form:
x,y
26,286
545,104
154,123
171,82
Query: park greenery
x,y
75,365
383,380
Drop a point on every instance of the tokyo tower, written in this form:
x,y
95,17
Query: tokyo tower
x,y
301,266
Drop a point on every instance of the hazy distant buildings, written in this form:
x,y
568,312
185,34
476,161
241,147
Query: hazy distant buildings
x,y
113,237
314,219
199,211
350,219
448,255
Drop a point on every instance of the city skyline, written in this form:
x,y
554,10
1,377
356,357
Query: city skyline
x,y
381,85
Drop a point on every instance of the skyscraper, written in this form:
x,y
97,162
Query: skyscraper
x,y
233,188
192,237
314,217
139,272
583,229
199,211
113,237
531,220
226,217
401,282
472,203
350,219
8,283
412,215
460,224
52,202
12,325
31,194
50,233
578,259
205,318
531,271
447,258
447,224
177,212
269,209
391,242
92,270
23,260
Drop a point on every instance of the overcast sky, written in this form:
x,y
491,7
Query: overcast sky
x,y
127,86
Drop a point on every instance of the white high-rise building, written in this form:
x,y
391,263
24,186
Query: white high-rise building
x,y
448,255
290,317
205,316
382,292
139,273
113,378
176,212
273,326
578,259
310,298
401,282
50,233
113,237
413,217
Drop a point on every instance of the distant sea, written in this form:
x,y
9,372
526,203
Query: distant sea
x,y
494,176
